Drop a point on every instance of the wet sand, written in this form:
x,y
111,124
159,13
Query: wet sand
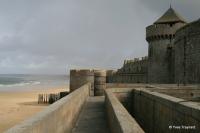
x,y
18,106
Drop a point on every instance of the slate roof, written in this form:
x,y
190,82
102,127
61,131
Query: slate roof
x,y
170,16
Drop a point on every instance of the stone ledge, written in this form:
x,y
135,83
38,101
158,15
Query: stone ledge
x,y
120,120
58,117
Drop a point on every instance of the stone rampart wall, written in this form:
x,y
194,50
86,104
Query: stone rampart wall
x,y
156,113
59,117
128,78
132,71
120,121
187,54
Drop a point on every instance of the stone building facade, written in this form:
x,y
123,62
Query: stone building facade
x,y
173,54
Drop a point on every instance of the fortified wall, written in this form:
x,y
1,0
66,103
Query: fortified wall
x,y
133,71
187,54
173,54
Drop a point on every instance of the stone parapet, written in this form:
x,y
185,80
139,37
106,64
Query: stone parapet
x,y
59,117
162,31
164,111
120,121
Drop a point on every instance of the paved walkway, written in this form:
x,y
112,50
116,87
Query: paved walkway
x,y
92,119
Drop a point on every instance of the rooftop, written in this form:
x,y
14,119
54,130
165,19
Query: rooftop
x,y
170,16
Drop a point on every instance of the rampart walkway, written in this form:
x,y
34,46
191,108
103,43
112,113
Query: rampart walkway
x,y
92,119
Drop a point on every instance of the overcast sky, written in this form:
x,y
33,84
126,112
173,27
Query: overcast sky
x,y
53,36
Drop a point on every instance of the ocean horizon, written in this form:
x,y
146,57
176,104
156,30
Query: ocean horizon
x,y
16,82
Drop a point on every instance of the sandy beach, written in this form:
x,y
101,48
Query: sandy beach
x,y
18,106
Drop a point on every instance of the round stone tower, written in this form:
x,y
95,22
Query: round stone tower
x,y
187,54
81,77
109,76
160,37
99,82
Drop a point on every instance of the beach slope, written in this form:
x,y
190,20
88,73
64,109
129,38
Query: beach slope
x,y
18,106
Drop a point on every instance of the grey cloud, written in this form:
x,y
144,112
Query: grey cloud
x,y
48,36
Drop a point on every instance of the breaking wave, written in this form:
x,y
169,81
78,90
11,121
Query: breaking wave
x,y
20,84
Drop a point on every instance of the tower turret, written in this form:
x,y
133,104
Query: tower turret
x,y
160,36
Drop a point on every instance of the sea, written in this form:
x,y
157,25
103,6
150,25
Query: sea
x,y
17,82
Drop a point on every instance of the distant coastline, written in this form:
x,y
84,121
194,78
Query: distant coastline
x,y
15,82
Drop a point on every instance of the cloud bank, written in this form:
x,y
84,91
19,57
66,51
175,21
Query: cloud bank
x,y
51,37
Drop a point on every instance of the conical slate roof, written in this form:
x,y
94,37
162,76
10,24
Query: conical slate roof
x,y
170,16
